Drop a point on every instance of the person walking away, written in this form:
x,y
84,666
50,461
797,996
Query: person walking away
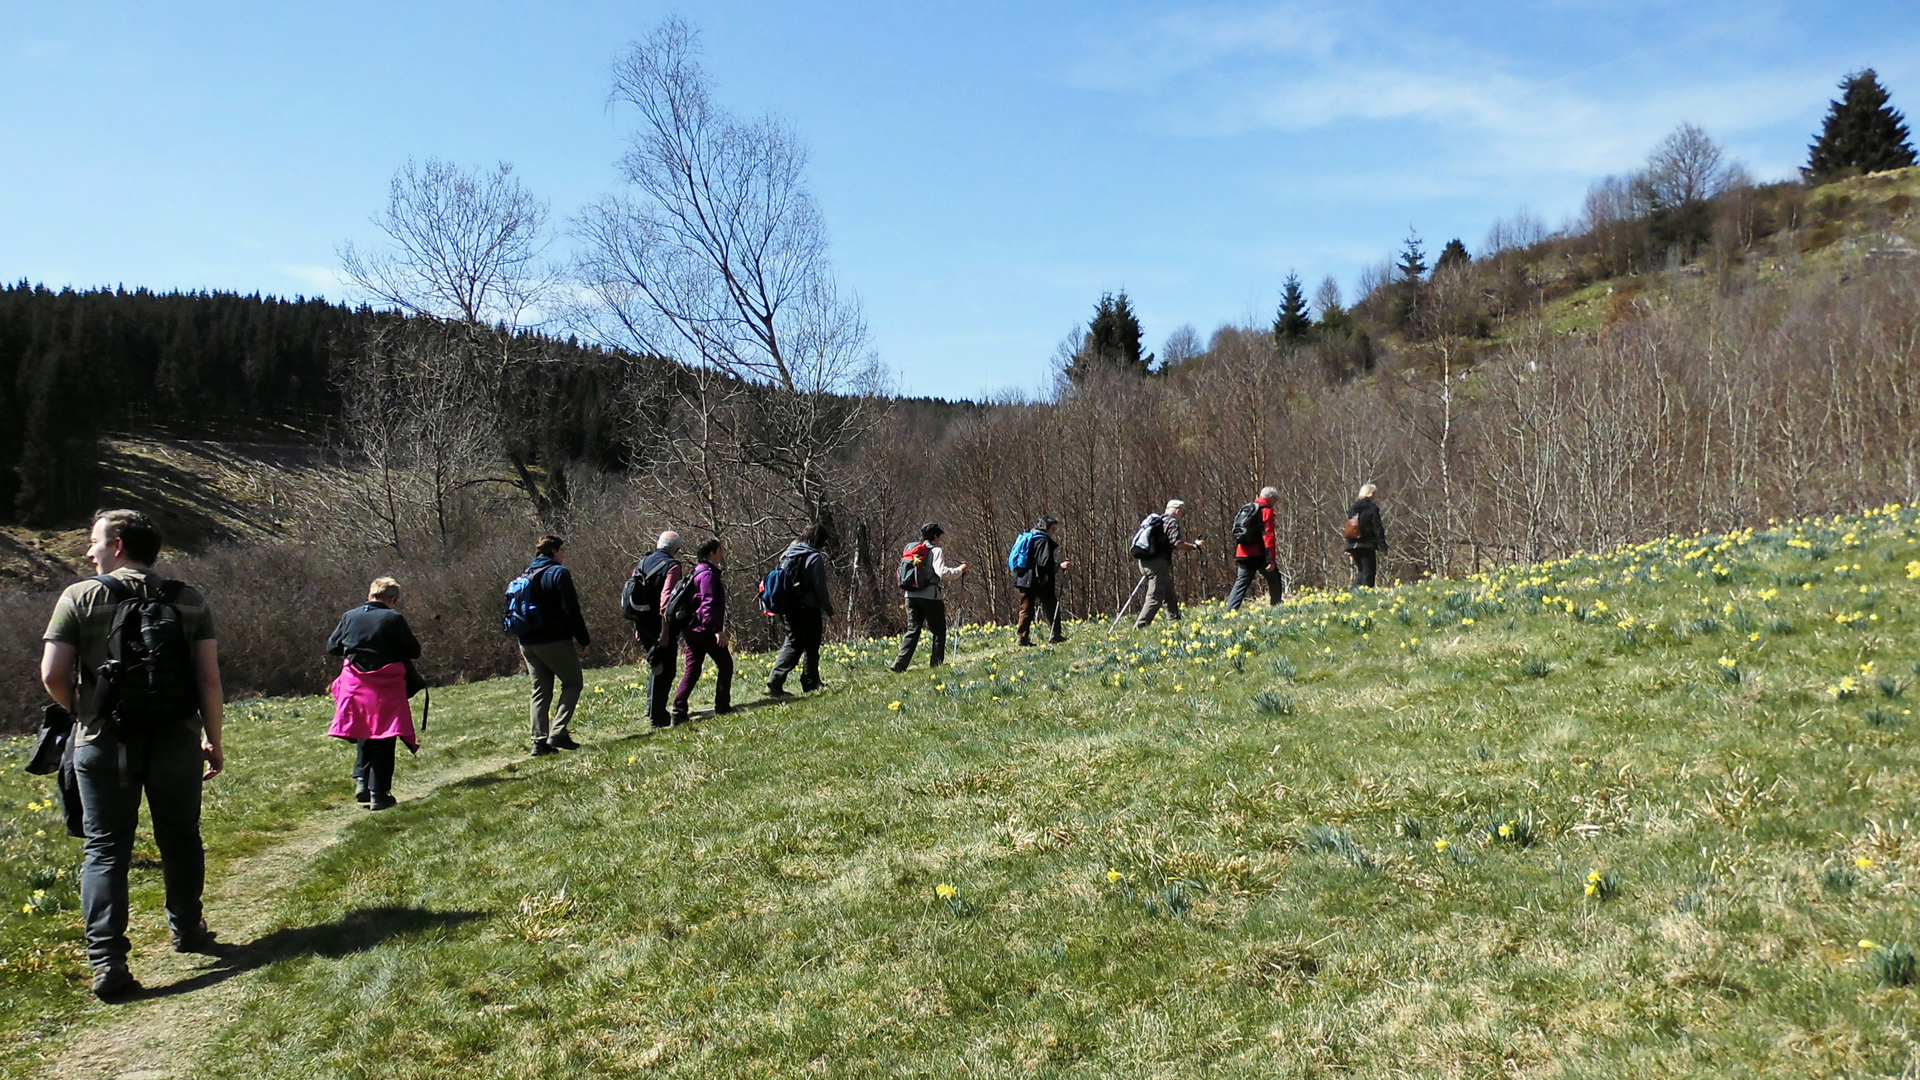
x,y
1036,565
1154,544
646,589
544,612
1366,537
705,632
806,622
370,705
133,656
1255,552
922,567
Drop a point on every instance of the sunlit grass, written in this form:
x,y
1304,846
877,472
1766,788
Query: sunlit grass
x,y
1604,815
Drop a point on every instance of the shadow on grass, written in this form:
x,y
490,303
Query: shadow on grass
x,y
487,781
357,931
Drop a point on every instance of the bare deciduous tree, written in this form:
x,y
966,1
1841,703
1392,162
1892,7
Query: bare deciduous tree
x,y
462,246
468,248
408,412
1687,167
714,256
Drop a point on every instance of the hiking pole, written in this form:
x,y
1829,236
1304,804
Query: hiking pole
x,y
1123,607
953,624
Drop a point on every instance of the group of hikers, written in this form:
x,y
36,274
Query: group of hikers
x,y
131,663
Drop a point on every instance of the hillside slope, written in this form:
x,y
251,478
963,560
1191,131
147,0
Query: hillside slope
x,y
1648,812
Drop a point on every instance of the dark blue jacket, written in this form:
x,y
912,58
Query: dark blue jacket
x,y
553,594
373,636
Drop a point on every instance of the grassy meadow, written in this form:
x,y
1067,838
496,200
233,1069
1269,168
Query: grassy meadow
x,y
1644,813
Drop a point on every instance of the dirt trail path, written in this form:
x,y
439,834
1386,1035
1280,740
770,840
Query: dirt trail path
x,y
189,999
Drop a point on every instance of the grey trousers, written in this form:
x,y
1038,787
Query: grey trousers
x,y
1159,591
544,662
932,614
168,770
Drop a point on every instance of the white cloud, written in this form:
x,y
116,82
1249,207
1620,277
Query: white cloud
x,y
1296,68
325,281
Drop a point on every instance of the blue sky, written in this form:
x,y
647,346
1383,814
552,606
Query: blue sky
x,y
986,170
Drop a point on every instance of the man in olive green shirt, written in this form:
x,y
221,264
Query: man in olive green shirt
x,y
168,761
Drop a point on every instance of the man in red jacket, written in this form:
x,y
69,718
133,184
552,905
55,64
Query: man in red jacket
x,y
1258,555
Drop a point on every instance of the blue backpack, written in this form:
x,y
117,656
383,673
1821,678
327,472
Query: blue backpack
x,y
1017,559
778,590
524,615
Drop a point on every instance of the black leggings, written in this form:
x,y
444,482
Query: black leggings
x,y
1363,567
373,764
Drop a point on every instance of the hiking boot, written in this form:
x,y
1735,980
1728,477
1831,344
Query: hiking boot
x,y
810,689
382,802
114,981
1057,639
198,939
897,669
563,742
722,710
541,749
360,792
678,719
662,721
778,691
1025,643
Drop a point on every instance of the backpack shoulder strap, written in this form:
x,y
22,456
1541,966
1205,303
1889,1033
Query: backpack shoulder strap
x,y
116,589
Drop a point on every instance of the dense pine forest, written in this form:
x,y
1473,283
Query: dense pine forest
x,y
210,365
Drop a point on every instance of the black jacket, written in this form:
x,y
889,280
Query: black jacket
x,y
1043,563
553,594
810,570
646,628
1373,534
373,636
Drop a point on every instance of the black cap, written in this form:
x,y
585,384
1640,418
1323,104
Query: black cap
x,y
930,530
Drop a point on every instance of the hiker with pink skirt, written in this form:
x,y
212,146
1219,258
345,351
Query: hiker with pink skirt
x,y
370,695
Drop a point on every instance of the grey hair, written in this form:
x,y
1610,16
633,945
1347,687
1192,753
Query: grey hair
x,y
1269,493
669,541
1367,490
1176,504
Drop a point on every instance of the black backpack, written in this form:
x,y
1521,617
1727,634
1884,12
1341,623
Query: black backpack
x,y
641,593
1248,529
680,605
1150,540
149,677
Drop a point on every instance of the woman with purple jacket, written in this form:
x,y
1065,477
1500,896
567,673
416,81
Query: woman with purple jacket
x,y
706,634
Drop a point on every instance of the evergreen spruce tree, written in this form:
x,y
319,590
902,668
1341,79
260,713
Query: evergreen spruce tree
x,y
1454,254
1413,258
1113,339
1291,323
1862,134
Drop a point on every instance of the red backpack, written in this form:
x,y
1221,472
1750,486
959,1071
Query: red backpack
x,y
916,567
